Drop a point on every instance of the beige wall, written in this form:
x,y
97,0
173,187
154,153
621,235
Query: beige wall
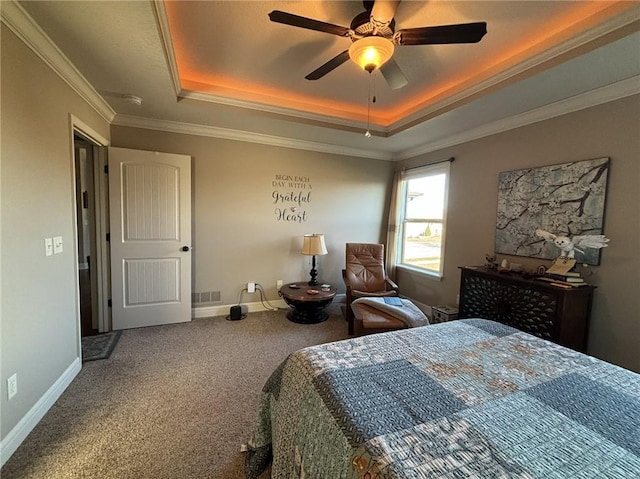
x,y
609,130
237,236
39,329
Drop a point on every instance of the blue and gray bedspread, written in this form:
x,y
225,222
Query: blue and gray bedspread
x,y
469,398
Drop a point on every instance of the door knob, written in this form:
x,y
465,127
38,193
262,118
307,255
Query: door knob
x,y
185,248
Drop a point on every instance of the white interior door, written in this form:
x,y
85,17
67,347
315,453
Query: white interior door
x,y
150,216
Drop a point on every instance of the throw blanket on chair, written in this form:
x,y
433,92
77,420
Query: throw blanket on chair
x,y
408,313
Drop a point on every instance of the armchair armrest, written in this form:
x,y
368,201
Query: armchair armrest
x,y
344,278
393,285
348,286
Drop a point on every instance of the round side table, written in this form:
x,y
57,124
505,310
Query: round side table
x,y
308,302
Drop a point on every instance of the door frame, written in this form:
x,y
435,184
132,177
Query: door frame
x,y
101,223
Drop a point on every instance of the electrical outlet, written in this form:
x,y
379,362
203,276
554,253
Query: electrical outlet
x,y
12,385
279,284
251,287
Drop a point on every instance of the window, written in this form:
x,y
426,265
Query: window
x,y
423,206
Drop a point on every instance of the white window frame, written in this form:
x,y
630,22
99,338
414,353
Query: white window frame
x,y
421,172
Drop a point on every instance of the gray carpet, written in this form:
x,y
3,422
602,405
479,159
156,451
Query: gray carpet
x,y
99,346
172,401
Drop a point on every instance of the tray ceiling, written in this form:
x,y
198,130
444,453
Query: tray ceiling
x,y
224,65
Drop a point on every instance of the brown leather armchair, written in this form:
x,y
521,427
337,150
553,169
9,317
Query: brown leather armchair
x,y
365,276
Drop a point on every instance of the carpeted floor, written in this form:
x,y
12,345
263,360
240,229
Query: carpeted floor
x,y
172,401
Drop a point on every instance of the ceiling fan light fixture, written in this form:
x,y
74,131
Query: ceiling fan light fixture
x,y
371,52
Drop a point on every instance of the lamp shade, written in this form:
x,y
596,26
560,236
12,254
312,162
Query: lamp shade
x,y
371,52
313,245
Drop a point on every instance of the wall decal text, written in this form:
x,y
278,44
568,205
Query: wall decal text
x,y
291,196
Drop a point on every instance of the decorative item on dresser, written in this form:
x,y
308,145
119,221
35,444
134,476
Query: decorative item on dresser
x,y
559,314
569,246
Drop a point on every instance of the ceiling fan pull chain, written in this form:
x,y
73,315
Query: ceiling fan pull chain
x,y
368,132
375,72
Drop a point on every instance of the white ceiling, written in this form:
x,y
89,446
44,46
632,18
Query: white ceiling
x,y
222,68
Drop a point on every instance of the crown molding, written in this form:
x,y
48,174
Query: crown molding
x,y
615,91
237,135
605,94
21,24
162,21
25,28
333,121
621,22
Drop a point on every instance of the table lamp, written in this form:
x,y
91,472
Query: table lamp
x,y
313,245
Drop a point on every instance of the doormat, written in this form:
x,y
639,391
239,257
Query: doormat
x,y
99,346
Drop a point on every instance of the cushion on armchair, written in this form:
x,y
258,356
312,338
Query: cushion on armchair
x,y
370,318
365,268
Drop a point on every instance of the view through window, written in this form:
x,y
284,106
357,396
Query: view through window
x,y
423,222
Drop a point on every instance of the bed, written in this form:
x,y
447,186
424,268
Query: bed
x,y
468,398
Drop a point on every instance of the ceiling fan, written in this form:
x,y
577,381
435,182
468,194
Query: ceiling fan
x,y
373,35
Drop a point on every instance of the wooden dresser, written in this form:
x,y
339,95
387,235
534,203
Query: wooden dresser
x,y
549,312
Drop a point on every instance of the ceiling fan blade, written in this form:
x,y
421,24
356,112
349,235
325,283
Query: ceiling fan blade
x,y
304,22
393,75
335,62
463,33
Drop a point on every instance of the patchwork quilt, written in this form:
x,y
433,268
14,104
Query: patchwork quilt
x,y
463,399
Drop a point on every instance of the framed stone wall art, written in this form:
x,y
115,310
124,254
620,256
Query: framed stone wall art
x,y
566,199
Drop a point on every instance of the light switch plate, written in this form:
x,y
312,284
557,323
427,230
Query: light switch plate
x,y
57,244
48,246
12,386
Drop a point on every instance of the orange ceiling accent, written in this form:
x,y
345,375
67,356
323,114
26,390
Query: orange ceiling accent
x,y
218,85
582,16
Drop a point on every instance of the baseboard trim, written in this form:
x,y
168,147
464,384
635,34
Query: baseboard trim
x,y
223,309
12,441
